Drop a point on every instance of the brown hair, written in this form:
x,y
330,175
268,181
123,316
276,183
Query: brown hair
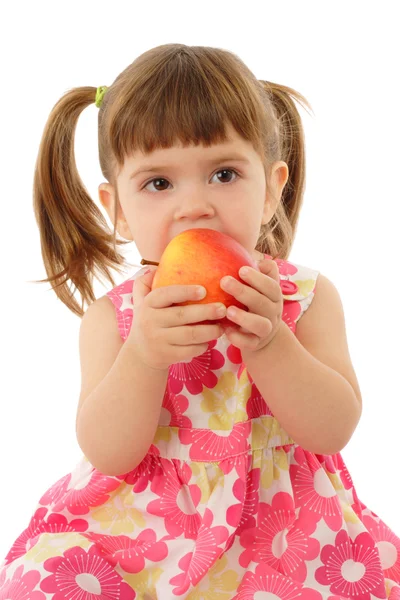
x,y
169,93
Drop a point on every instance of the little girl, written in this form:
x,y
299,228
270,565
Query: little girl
x,y
212,465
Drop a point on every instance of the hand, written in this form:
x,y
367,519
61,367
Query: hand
x,y
261,293
163,334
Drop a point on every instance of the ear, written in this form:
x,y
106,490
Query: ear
x,y
279,175
108,199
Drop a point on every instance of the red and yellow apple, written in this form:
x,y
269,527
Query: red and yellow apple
x,y
203,257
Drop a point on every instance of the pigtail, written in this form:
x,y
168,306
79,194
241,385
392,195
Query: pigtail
x,y
75,238
288,144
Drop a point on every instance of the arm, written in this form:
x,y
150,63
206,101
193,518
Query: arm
x,y
108,429
118,412
307,379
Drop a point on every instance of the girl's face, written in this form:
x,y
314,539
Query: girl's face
x,y
221,187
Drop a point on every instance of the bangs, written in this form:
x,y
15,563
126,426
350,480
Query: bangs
x,y
188,101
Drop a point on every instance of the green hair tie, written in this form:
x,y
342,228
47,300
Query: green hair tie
x,y
100,95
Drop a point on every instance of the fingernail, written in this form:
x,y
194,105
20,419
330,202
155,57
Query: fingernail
x,y
201,292
221,310
231,312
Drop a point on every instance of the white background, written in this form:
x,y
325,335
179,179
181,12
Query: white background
x,y
344,59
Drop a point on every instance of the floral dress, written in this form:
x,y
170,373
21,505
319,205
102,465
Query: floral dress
x,y
224,505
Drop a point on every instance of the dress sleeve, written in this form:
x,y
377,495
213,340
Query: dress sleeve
x,y
303,281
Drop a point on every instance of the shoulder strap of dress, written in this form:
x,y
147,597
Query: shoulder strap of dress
x,y
121,297
301,288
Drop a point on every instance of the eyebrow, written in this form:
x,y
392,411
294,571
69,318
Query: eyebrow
x,y
149,168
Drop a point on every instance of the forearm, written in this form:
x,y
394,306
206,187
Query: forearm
x,y
313,403
118,420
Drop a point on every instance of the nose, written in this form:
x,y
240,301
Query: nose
x,y
194,206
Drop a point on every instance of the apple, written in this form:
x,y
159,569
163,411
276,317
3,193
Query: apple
x,y
202,257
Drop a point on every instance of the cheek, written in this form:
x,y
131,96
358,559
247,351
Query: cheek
x,y
245,228
151,236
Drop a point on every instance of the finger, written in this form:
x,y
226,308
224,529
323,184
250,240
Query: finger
x,y
187,353
242,340
265,284
174,294
253,323
260,256
256,302
192,313
193,334
142,285
269,267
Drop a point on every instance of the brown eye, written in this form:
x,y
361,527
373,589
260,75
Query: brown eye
x,y
225,171
156,182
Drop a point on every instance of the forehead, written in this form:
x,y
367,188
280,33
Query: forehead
x,y
235,145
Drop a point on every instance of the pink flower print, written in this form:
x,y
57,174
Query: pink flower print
x,y
28,538
291,308
139,477
130,552
55,523
196,373
290,313
56,491
86,488
266,579
329,461
226,403
363,507
84,574
207,550
240,463
388,545
256,405
278,541
216,445
220,584
359,507
177,499
21,586
240,371
234,354
352,569
121,297
285,267
172,410
241,515
313,489
394,593
344,473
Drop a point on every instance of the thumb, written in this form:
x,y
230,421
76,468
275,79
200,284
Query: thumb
x,y
143,284
269,267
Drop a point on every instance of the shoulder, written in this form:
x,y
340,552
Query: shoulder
x,y
322,331
326,303
99,316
